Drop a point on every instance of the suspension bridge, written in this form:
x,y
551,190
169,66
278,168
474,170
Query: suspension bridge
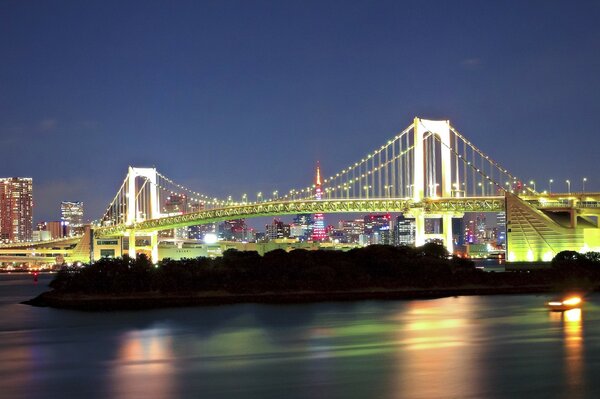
x,y
428,170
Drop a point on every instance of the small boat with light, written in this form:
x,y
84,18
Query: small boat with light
x,y
564,303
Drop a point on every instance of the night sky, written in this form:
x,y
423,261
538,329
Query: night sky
x,y
232,97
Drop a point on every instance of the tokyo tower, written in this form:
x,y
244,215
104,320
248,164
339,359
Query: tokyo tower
x,y
319,224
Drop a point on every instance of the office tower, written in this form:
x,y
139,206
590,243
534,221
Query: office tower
x,y
16,209
405,231
377,228
277,230
71,214
352,230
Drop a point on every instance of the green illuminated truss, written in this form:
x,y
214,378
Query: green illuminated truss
x,y
435,206
474,204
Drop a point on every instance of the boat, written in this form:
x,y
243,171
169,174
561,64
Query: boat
x,y
564,303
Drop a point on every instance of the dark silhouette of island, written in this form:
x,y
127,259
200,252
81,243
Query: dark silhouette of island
x,y
373,272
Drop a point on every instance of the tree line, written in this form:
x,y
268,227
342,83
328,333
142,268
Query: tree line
x,y
375,266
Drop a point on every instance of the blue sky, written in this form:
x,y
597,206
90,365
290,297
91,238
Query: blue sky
x,y
232,97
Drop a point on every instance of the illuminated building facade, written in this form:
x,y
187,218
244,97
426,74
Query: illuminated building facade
x,y
378,228
71,214
302,226
405,231
319,233
198,232
16,209
351,230
57,229
277,230
175,204
235,230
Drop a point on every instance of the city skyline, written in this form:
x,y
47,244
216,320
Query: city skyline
x,y
205,92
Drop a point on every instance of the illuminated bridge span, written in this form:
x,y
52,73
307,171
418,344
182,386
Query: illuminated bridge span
x,y
428,170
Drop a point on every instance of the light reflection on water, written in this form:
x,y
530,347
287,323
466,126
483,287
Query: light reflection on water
x,y
466,347
572,324
144,366
439,357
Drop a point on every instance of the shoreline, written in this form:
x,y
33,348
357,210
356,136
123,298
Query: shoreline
x,y
155,300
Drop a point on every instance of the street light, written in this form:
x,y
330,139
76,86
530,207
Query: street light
x,y
457,190
584,180
433,189
568,186
258,196
550,185
533,184
387,189
275,194
244,198
367,190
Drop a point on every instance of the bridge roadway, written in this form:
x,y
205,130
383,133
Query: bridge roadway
x,y
43,252
432,207
582,204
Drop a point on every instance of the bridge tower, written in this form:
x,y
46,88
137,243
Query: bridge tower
x,y
134,214
441,129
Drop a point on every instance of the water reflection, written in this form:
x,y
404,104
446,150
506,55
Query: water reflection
x,y
572,325
144,367
440,356
471,347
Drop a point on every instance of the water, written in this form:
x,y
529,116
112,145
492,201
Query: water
x,y
466,347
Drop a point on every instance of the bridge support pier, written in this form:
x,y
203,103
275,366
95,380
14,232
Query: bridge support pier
x,y
447,232
419,216
573,218
131,249
154,246
421,235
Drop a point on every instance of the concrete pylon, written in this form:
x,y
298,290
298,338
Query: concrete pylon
x,y
441,129
132,211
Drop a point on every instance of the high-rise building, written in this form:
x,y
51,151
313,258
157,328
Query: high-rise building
x,y
16,209
71,214
235,230
198,232
277,230
56,229
352,230
377,228
302,226
175,204
319,233
405,231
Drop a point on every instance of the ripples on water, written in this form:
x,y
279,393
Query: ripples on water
x,y
466,347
